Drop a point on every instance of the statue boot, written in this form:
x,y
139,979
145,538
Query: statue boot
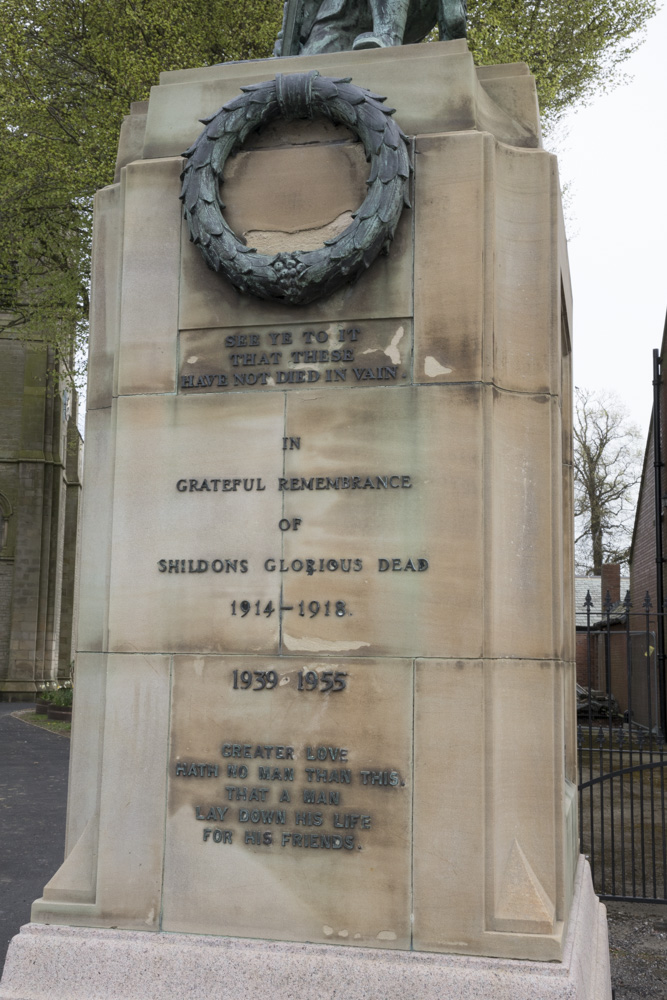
x,y
389,19
369,40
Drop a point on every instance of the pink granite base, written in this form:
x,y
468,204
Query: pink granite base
x,y
74,963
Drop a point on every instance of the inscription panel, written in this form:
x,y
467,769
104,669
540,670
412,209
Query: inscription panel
x,y
190,554
289,801
297,525
296,355
406,560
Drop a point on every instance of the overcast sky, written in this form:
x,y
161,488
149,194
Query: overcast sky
x,y
614,161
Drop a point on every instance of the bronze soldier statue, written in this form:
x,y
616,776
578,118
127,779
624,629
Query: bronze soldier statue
x,y
311,27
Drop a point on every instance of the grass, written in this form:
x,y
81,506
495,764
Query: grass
x,y
53,725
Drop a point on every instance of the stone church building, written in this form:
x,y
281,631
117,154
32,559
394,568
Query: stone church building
x,y
40,484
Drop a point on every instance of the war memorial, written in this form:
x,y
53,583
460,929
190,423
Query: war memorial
x,y
324,723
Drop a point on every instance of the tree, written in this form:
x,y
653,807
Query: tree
x,y
69,70
607,470
573,49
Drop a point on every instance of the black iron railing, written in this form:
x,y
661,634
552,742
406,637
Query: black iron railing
x,y
622,755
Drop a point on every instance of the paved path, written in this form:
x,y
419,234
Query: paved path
x,y
33,789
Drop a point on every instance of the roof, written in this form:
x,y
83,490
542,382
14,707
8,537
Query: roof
x,y
583,584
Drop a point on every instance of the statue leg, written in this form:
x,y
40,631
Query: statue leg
x,y
389,18
332,25
452,19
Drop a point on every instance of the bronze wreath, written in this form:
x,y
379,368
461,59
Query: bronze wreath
x,y
305,275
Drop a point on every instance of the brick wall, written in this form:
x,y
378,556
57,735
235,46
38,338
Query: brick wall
x,y
582,661
643,568
642,571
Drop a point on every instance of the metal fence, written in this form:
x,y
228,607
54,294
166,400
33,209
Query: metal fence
x,y
622,756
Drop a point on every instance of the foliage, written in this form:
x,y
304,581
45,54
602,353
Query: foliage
x,y
607,470
573,49
62,698
69,70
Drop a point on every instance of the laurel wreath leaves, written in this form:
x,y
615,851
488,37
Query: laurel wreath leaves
x,y
301,276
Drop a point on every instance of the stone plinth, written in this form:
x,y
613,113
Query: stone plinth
x,y
325,681
85,964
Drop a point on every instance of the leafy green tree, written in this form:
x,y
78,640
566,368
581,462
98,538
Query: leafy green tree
x,y
69,70
573,48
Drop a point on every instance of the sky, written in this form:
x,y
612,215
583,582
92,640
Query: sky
x,y
613,159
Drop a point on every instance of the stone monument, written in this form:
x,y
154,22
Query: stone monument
x,y
324,736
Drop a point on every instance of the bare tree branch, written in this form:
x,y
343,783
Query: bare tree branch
x,y
607,470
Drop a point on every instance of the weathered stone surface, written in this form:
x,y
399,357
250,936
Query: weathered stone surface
x,y
96,531
46,962
385,291
408,532
264,190
132,135
346,354
489,317
163,441
433,88
105,296
151,259
122,849
418,590
314,792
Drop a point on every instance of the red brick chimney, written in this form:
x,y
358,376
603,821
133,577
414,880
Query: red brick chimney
x,y
611,581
